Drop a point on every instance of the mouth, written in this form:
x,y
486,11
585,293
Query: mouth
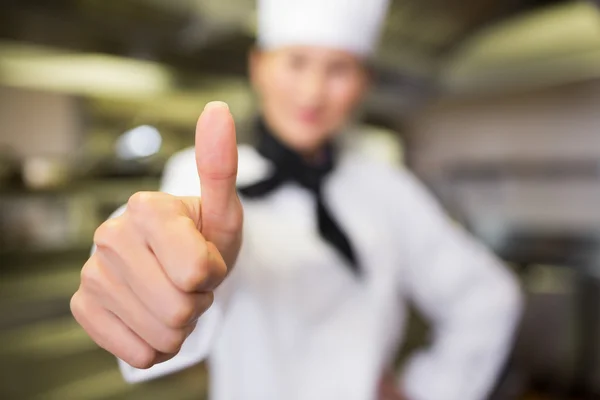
x,y
309,116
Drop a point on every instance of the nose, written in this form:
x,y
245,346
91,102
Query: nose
x,y
312,88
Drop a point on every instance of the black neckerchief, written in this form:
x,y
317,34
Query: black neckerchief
x,y
291,167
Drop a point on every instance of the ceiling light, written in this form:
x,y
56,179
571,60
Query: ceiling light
x,y
140,142
82,74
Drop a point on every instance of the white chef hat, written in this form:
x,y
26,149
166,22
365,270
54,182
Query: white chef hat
x,y
350,25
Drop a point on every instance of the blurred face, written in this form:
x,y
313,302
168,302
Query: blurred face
x,y
307,93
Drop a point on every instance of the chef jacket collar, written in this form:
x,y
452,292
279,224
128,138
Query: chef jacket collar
x,y
292,166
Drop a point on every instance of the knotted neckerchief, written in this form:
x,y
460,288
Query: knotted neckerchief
x,y
291,167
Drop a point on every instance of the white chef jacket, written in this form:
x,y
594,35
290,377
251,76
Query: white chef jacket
x,y
291,322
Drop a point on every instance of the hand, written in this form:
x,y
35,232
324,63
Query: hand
x,y
156,266
388,388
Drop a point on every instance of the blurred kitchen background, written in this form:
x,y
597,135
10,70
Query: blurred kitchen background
x,y
494,104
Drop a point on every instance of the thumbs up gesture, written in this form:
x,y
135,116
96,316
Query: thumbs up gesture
x,y
155,267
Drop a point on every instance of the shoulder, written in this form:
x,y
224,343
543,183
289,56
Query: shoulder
x,y
368,170
396,187
180,176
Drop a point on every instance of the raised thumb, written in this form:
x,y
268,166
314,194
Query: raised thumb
x,y
217,163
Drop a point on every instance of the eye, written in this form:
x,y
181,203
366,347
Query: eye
x,y
340,69
297,62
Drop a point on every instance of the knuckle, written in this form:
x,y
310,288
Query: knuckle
x,y
206,300
172,205
220,272
182,314
218,268
187,224
151,208
109,233
193,279
194,273
140,202
82,311
143,358
77,306
172,341
92,276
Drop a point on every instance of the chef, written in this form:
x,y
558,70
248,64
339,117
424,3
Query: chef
x,y
291,274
